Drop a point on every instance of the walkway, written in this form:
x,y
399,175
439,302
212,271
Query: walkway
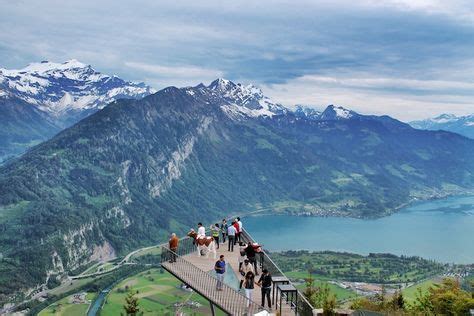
x,y
196,271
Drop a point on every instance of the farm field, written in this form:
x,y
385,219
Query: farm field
x,y
157,293
409,294
65,307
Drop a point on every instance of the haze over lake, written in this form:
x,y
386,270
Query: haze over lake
x,y
441,229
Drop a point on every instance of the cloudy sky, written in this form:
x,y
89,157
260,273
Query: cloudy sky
x,y
407,58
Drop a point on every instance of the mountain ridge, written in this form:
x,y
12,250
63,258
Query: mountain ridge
x,y
463,125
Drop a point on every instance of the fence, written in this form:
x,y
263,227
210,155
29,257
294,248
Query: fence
x,y
304,307
229,300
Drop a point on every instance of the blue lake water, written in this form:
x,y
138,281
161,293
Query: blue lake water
x,y
442,230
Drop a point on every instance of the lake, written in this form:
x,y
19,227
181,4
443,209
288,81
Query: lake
x,y
442,230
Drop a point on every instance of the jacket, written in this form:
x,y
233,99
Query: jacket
x,y
174,241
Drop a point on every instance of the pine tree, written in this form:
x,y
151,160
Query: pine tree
x,y
131,305
398,302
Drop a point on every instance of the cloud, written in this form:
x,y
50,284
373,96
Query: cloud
x,y
404,99
176,75
412,49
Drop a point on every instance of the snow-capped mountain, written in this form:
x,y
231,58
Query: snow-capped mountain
x,y
331,113
59,88
43,98
242,100
463,125
334,112
304,111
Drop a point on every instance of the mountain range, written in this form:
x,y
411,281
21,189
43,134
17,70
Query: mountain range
x,y
138,169
43,98
463,125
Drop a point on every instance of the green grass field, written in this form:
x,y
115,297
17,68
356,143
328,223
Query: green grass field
x,y
409,294
341,293
375,268
64,307
157,292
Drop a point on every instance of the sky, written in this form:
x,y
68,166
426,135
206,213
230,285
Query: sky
x,y
410,59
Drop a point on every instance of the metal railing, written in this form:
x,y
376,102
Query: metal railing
x,y
304,307
229,300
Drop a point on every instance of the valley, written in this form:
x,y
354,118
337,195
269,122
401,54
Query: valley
x,y
116,180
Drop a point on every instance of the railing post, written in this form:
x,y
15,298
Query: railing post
x,y
212,309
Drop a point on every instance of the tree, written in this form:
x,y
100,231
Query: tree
x,y
398,302
446,298
131,305
320,296
310,288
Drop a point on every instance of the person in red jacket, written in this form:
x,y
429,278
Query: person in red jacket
x,y
237,229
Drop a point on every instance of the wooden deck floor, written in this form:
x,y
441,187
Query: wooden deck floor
x,y
232,258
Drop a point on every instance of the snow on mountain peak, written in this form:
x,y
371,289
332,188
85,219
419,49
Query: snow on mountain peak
x,y
334,112
59,87
445,118
246,100
46,66
307,112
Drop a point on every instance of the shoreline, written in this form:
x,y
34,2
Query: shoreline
x,y
342,214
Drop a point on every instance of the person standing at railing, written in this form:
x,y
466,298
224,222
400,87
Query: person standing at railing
x,y
224,228
250,251
239,222
265,282
219,267
173,244
249,286
231,231
215,233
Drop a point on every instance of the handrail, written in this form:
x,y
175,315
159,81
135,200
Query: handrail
x,y
229,300
304,306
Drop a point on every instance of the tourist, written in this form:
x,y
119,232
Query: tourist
x,y
224,227
244,269
242,254
231,231
237,232
265,282
215,233
251,255
201,231
241,228
249,286
173,244
220,271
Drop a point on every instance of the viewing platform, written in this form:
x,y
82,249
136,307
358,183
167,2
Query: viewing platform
x,y
198,273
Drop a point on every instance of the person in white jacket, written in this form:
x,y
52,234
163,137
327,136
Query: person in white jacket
x,y
201,231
